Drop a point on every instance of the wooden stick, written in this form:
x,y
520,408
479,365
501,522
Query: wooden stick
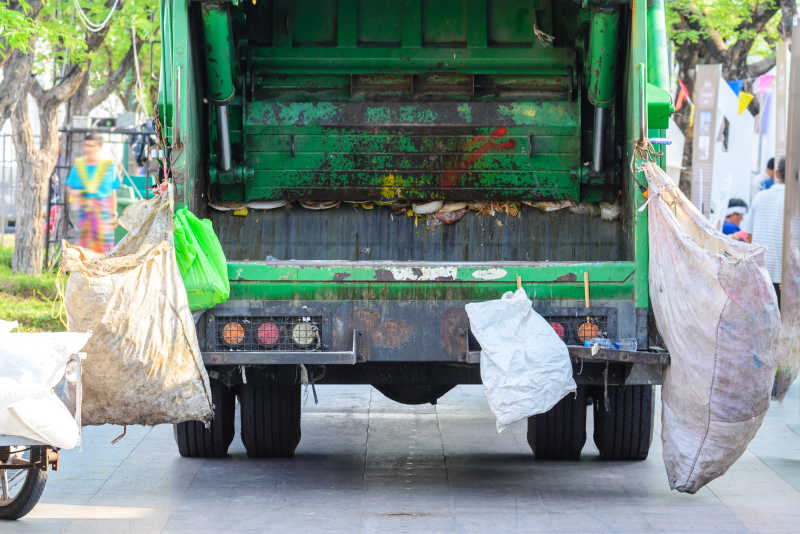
x,y
519,282
586,288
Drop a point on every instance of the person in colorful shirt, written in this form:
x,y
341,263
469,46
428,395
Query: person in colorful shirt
x,y
92,188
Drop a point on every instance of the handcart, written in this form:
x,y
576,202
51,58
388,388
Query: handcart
x,y
25,463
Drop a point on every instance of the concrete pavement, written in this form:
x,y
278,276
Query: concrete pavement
x,y
367,464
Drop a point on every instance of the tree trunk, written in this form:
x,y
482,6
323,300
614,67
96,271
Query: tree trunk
x,y
34,168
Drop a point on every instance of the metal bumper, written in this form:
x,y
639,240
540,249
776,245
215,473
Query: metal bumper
x,y
628,367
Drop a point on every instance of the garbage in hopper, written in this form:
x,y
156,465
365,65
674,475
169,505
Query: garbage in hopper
x,y
143,362
717,312
525,366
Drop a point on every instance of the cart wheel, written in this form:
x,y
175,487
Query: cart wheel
x,y
196,441
20,489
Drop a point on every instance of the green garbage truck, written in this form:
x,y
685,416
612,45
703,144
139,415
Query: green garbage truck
x,y
371,166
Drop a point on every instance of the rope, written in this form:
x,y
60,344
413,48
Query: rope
x,y
92,26
139,92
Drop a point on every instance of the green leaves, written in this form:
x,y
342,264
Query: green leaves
x,y
724,22
54,30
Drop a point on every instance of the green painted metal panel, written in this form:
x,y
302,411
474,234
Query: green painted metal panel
x,y
635,115
366,145
415,281
657,47
511,22
370,60
313,23
380,23
444,23
419,292
492,273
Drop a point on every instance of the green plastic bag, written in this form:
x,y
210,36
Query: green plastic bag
x,y
201,261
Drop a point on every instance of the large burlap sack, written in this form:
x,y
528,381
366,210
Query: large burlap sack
x,y
787,350
717,312
143,362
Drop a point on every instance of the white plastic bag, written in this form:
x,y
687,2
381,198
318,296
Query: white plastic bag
x,y
525,366
717,312
31,365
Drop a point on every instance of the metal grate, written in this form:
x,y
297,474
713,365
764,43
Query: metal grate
x,y
256,334
572,328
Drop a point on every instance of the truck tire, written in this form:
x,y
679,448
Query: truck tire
x,y
30,492
270,419
625,431
196,441
560,433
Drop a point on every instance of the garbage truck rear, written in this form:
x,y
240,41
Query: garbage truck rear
x,y
372,166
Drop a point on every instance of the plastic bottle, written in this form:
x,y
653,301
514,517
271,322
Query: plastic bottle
x,y
626,343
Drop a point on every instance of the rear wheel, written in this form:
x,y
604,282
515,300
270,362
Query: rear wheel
x,y
625,431
196,441
270,414
20,489
560,433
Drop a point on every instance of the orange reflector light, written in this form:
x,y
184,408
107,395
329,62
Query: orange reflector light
x,y
233,333
268,333
588,330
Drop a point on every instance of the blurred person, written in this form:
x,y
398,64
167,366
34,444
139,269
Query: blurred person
x,y
767,182
737,209
92,189
765,224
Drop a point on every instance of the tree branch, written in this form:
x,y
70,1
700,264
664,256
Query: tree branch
x,y
35,6
115,78
760,67
16,76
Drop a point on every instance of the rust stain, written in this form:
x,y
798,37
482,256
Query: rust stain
x,y
384,275
453,324
391,334
366,319
386,334
569,277
338,277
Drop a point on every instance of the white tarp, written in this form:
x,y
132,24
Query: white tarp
x,y
717,312
525,366
31,365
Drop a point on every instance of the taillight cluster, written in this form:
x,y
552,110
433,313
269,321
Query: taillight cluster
x,y
281,334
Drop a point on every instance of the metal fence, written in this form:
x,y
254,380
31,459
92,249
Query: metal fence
x,y
8,182
135,170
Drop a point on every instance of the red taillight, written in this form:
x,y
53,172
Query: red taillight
x,y
559,328
268,333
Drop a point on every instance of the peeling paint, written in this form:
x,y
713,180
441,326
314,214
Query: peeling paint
x,y
423,274
489,274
